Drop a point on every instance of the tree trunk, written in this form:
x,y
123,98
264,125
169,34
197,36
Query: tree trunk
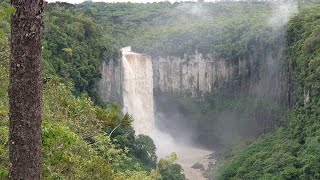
x,y
25,90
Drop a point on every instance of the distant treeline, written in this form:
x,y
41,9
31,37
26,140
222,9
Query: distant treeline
x,y
228,29
79,37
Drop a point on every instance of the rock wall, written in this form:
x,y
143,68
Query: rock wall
x,y
110,85
192,75
195,75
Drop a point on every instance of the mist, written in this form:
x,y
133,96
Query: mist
x,y
282,14
207,76
138,101
264,92
194,9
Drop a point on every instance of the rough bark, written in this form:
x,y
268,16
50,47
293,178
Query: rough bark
x,y
25,90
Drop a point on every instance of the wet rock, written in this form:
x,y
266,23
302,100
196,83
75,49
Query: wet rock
x,y
198,166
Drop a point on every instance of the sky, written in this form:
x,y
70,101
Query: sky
x,y
136,1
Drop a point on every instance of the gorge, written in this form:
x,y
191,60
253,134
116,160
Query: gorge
x,y
137,82
232,87
224,74
142,84
198,76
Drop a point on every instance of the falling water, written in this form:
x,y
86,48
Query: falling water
x,y
138,101
138,90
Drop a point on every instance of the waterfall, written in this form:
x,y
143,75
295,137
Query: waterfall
x,y
138,90
138,101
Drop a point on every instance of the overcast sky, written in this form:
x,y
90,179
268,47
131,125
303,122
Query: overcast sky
x,y
139,1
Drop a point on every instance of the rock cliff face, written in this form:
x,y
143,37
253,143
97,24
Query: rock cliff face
x,y
110,85
191,75
195,75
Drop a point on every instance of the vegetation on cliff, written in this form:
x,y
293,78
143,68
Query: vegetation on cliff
x,y
73,48
228,29
76,135
76,142
292,151
77,139
79,37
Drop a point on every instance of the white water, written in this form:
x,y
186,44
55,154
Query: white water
x,y
138,91
138,101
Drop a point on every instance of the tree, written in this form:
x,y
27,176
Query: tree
x,y
146,150
25,90
170,170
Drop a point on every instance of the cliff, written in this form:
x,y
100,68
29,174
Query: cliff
x,y
195,75
110,85
191,75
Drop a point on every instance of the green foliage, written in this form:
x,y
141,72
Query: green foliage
x,y
141,149
270,157
110,117
170,170
66,156
227,29
73,49
4,155
291,152
4,79
74,142
4,103
5,12
304,51
74,145
145,150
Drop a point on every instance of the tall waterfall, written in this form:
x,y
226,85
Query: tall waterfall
x,y
138,90
138,101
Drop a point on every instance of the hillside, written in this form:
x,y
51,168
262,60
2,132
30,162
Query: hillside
x,y
76,135
292,151
228,29
232,31
262,121
248,37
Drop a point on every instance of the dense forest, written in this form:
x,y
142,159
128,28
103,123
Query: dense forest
x,y
85,137
230,30
291,151
78,141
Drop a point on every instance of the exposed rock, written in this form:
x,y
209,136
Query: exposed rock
x,y
110,84
194,75
198,166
